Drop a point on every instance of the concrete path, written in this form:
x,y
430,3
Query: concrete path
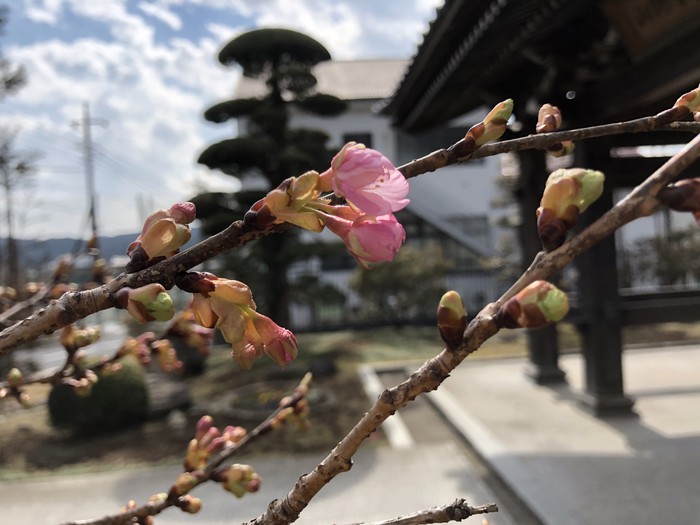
x,y
384,483
572,468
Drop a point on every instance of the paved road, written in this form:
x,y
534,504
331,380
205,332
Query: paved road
x,y
383,483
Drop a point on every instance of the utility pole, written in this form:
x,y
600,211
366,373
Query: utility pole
x,y
86,123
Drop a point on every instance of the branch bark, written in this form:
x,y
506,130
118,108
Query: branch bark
x,y
456,511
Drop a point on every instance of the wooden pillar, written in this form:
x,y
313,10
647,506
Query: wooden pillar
x,y
543,343
599,302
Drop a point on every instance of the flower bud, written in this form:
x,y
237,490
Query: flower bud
x,y
15,378
451,318
238,479
567,193
189,504
548,119
493,125
690,100
537,305
148,303
186,482
681,196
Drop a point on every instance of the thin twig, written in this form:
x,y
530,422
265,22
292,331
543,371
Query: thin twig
x,y
449,156
457,511
153,508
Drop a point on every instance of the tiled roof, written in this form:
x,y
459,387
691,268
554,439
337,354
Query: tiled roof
x,y
346,79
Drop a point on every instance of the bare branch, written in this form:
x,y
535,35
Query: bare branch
x,y
457,511
449,156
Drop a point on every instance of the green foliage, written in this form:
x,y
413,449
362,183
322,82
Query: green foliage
x,y
229,109
118,399
258,51
322,104
668,260
236,156
409,286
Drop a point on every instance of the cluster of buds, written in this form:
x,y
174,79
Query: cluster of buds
x,y
144,520
162,236
82,381
535,306
294,409
209,440
193,334
228,305
13,387
146,346
567,194
549,120
166,356
372,188
73,337
139,347
451,318
148,303
682,196
238,479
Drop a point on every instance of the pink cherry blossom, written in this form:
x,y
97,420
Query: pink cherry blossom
x,y
367,180
369,239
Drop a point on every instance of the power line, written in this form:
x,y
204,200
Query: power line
x,y
86,123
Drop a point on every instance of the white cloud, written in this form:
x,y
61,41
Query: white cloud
x,y
162,13
153,93
45,12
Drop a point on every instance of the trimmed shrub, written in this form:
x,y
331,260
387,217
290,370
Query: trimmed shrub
x,y
118,399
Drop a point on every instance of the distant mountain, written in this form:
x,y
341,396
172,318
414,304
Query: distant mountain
x,y
36,254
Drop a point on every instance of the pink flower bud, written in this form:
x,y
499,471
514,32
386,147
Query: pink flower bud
x,y
369,239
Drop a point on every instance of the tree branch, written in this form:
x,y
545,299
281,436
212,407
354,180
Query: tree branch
x,y
457,511
449,156
640,202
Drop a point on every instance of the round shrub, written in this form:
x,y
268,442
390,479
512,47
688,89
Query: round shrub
x,y
118,399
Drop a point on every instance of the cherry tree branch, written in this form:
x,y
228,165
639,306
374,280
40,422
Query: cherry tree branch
x,y
73,306
456,511
153,508
639,203
454,154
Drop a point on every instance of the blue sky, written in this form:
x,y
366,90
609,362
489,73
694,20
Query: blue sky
x,y
148,70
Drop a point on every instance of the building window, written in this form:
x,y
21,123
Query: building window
x,y
360,138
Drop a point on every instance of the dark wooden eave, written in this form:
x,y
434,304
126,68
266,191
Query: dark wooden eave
x,y
482,51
